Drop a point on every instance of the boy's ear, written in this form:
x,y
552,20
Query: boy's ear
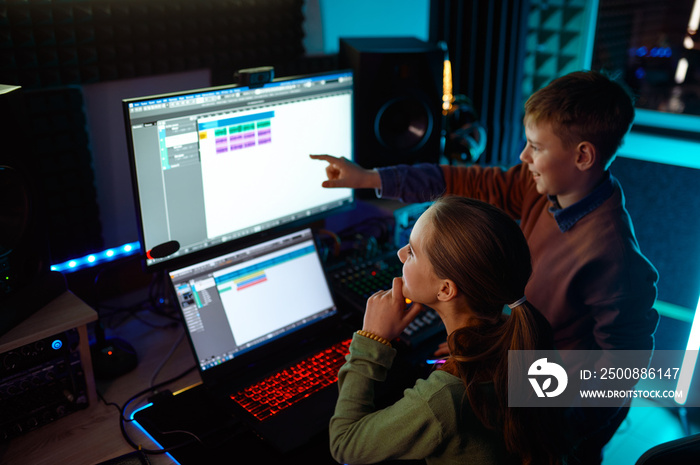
x,y
448,291
586,156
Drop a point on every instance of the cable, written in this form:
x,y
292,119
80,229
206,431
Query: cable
x,y
123,419
152,303
110,404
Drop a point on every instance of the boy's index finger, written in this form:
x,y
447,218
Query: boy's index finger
x,y
324,157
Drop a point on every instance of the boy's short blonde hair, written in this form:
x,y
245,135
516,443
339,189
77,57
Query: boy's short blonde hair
x,y
584,106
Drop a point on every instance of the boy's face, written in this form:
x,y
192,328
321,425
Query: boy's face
x,y
553,166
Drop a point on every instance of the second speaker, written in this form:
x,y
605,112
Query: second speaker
x,y
398,98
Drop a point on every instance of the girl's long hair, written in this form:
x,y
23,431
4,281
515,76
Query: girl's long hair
x,y
484,252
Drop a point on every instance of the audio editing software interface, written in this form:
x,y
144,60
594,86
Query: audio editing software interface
x,y
223,163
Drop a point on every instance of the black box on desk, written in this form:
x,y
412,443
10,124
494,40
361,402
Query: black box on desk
x,y
45,366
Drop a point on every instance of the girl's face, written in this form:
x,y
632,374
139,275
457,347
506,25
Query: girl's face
x,y
420,283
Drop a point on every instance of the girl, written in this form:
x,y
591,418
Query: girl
x,y
466,260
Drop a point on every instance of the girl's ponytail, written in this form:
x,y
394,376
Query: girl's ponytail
x,y
484,252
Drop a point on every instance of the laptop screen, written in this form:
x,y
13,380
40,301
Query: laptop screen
x,y
252,297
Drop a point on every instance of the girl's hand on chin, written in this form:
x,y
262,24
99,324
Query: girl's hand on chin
x,y
386,314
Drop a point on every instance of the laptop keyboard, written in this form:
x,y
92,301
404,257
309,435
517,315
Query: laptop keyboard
x,y
284,389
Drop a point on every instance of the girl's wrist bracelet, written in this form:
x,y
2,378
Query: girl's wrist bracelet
x,y
374,337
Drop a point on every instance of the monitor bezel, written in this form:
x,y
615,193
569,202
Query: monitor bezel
x,y
315,220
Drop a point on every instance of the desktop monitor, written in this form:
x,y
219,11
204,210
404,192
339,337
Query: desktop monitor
x,y
216,165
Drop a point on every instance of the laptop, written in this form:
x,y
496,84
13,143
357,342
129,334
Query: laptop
x,y
251,313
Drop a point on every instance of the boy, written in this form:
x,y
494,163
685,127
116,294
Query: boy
x,y
589,278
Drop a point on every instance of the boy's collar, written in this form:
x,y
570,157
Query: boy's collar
x,y
567,217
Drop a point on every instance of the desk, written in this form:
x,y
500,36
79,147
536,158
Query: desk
x,y
92,435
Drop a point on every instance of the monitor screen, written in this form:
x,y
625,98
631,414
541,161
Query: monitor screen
x,y
216,165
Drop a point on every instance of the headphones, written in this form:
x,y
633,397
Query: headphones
x,y
466,137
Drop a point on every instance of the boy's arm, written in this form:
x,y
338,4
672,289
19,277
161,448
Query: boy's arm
x,y
628,320
505,189
417,183
424,182
619,289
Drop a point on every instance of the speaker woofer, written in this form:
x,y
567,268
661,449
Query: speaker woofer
x,y
403,123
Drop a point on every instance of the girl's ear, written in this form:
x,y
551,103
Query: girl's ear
x,y
586,155
448,291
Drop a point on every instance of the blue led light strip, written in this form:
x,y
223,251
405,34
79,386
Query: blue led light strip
x,y
145,432
97,258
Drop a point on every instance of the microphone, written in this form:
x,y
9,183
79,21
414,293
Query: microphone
x,y
163,250
113,356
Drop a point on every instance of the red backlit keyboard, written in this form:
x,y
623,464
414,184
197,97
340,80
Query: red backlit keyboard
x,y
283,389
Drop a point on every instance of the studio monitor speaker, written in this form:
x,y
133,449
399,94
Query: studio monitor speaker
x,y
26,284
398,98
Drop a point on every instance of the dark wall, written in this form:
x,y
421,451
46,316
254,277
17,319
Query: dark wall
x,y
56,43
663,202
52,48
486,41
